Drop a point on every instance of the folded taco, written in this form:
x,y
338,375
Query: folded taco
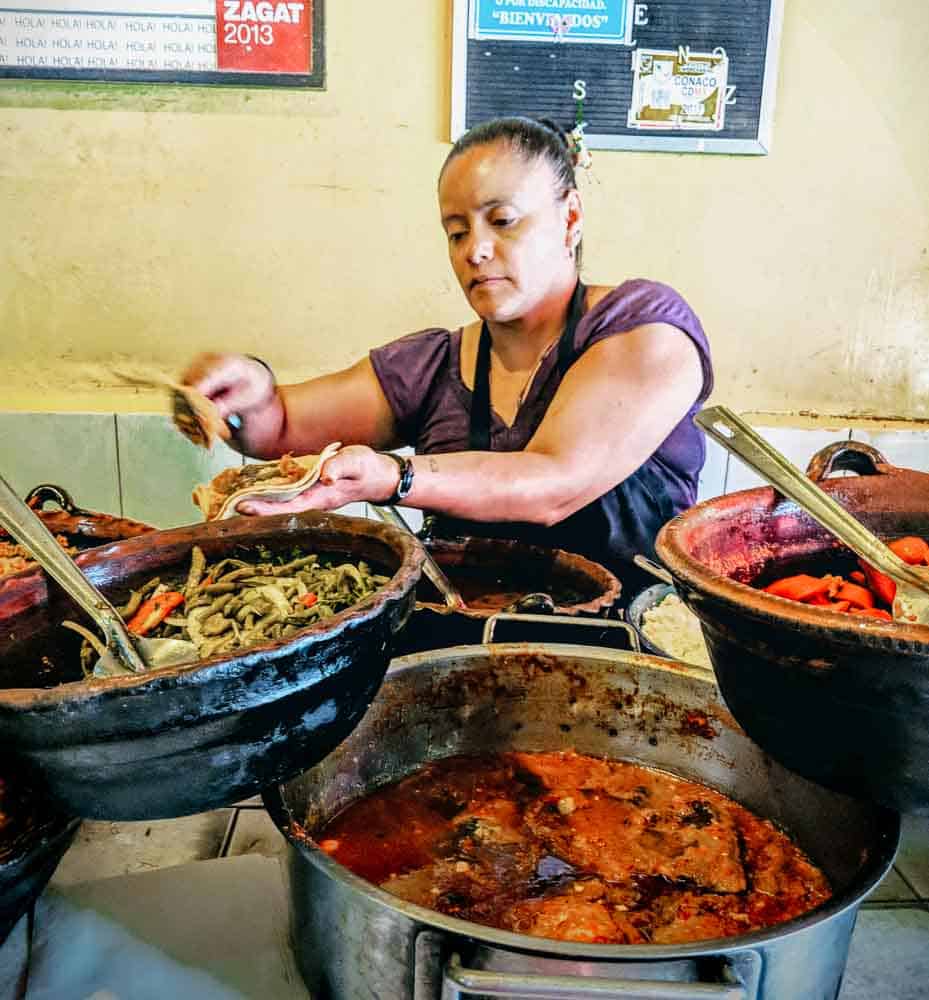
x,y
278,481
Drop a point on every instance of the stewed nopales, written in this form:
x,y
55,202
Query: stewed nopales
x,y
239,602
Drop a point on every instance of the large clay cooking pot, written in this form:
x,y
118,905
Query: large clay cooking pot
x,y
492,573
838,699
184,739
81,529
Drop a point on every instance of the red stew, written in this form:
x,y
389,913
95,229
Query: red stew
x,y
484,589
18,815
575,848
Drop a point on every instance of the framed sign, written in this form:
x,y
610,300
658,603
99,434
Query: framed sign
x,y
245,42
694,76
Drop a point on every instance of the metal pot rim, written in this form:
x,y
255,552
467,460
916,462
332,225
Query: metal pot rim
x,y
608,581
877,867
406,546
854,629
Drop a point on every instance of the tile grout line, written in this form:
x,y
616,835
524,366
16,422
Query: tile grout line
x,y
119,470
229,834
907,882
893,904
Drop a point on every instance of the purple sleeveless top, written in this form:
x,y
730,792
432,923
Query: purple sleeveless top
x,y
421,378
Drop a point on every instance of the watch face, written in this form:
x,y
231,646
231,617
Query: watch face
x,y
406,479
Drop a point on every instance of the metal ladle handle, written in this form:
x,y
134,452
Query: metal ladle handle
x,y
459,982
25,526
599,623
739,439
650,566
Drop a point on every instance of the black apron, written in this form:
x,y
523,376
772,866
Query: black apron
x,y
611,529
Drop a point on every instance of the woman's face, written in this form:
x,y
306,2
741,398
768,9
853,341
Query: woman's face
x,y
509,233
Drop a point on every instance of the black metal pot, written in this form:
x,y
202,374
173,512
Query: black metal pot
x,y
644,601
185,739
532,569
33,842
354,940
837,698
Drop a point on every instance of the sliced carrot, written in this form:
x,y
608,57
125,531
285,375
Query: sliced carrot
x,y
883,588
861,597
153,612
802,587
308,600
911,550
880,613
858,577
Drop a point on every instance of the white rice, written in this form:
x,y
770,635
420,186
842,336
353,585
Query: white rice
x,y
670,626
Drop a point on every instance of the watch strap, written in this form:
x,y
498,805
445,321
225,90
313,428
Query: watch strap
x,y
405,483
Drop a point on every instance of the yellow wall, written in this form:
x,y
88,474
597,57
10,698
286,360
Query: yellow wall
x,y
139,225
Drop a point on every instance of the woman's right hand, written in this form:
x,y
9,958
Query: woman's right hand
x,y
234,382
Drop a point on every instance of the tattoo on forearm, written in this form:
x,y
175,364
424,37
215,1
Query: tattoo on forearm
x,y
433,466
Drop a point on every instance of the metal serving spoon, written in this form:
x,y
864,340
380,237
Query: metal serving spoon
x,y
390,515
738,438
125,652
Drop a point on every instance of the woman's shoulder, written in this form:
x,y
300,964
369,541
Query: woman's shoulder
x,y
639,302
432,337
424,349
408,368
635,302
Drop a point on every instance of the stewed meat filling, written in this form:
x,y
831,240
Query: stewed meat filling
x,y
565,846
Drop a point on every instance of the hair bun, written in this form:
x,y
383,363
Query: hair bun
x,y
558,130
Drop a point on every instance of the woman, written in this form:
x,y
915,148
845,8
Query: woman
x,y
561,416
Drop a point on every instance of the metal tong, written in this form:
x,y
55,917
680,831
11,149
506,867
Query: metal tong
x,y
739,439
390,515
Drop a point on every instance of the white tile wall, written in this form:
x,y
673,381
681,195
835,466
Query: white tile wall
x,y
134,464
712,481
797,444
159,469
909,449
138,465
74,450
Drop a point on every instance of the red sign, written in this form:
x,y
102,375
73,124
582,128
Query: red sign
x,y
264,36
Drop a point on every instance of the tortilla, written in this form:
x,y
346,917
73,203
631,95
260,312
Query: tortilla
x,y
197,417
278,481
194,414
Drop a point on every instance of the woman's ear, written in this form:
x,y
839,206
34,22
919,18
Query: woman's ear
x,y
574,219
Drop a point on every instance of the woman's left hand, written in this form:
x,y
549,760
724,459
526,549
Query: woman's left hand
x,y
354,473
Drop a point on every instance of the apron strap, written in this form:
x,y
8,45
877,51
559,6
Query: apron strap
x,y
479,427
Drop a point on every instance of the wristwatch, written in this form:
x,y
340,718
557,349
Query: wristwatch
x,y
406,478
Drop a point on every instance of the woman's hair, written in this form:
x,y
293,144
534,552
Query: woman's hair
x,y
532,139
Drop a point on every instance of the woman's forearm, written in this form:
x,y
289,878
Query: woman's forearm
x,y
347,406
513,486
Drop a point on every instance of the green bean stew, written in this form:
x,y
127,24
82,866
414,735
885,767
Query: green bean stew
x,y
234,603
